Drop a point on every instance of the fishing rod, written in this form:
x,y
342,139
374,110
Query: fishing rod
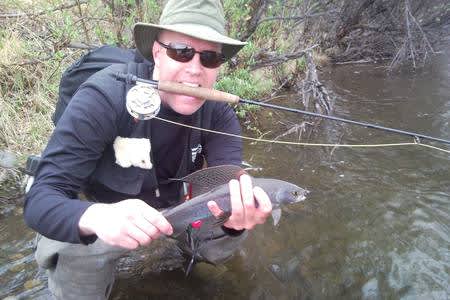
x,y
143,103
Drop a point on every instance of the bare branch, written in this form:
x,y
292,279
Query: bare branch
x,y
408,32
86,32
415,46
259,8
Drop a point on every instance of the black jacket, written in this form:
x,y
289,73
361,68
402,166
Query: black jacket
x,y
79,156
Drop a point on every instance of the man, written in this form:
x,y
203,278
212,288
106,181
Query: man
x,y
187,47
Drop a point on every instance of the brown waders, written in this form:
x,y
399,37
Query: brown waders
x,y
85,272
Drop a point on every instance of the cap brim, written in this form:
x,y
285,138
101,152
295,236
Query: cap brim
x,y
145,35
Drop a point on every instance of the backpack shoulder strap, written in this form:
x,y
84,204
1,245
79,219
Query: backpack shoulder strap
x,y
140,69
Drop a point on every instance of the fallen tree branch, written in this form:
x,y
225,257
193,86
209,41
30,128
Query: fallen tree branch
x,y
313,88
294,18
73,45
269,59
28,62
61,7
354,62
82,45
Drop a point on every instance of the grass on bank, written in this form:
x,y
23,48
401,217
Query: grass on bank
x,y
26,96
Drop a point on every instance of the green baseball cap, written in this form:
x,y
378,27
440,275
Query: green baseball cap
x,y
201,19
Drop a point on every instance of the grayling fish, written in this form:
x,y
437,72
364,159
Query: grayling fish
x,y
212,184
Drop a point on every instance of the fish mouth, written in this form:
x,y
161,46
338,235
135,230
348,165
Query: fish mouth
x,y
301,196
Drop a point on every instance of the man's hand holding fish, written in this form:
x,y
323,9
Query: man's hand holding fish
x,y
250,205
128,224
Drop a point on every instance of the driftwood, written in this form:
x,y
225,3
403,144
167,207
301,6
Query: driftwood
x,y
313,89
315,98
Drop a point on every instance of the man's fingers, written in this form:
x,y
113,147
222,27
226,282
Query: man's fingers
x,y
214,209
137,234
247,194
235,198
148,228
264,203
128,243
237,218
157,219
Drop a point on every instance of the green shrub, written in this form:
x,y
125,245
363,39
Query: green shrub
x,y
244,84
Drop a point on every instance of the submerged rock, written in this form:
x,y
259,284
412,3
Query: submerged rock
x,y
370,290
10,178
7,159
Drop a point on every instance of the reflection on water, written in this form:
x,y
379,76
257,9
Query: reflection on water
x,y
375,226
18,274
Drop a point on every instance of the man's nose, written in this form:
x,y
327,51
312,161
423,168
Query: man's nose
x,y
194,65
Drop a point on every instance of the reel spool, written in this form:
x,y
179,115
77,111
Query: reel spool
x,y
143,101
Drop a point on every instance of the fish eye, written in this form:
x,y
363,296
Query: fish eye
x,y
295,193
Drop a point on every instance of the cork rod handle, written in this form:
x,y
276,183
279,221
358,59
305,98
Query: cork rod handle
x,y
203,93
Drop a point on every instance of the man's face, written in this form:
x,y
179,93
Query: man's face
x,y
191,73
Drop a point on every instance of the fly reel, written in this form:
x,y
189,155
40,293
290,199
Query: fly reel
x,y
143,101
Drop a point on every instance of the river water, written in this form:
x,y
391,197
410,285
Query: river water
x,y
374,226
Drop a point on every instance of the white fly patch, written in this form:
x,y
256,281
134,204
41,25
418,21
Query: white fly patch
x,y
196,151
132,152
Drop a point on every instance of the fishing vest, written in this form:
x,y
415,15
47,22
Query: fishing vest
x,y
130,180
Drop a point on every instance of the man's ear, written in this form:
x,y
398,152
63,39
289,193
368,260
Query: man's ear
x,y
156,51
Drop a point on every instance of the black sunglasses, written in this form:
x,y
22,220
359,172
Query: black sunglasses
x,y
184,53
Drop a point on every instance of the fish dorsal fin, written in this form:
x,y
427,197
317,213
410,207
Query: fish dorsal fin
x,y
204,180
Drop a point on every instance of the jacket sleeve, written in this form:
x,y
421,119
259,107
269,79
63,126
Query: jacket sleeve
x,y
87,126
222,149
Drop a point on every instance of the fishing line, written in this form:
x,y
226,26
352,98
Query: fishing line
x,y
415,143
